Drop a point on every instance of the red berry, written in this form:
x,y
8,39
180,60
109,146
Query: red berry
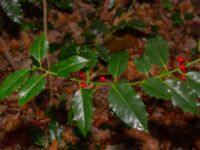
x,y
102,78
181,59
81,74
183,77
83,85
182,67
183,70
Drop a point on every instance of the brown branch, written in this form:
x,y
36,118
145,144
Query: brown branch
x,y
5,51
45,27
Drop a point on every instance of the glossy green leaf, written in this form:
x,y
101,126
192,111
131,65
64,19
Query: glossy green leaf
x,y
156,88
193,80
157,50
82,110
182,96
143,64
72,64
118,63
13,82
31,88
40,47
92,57
13,9
128,106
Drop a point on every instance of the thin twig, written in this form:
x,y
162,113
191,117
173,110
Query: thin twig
x,y
7,54
45,26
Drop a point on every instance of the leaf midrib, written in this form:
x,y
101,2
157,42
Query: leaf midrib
x,y
185,100
154,88
35,84
73,64
125,102
14,83
155,47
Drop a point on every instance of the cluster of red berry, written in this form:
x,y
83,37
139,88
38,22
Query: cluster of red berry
x,y
182,67
82,76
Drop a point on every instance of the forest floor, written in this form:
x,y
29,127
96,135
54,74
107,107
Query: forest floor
x,y
169,127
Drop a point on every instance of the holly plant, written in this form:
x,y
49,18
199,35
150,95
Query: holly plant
x,y
180,86
122,97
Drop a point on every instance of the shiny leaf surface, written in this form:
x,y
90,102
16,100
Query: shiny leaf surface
x,y
82,110
40,47
13,82
182,96
72,64
118,63
193,80
31,88
128,106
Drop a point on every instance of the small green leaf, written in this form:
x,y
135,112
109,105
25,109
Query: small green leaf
x,y
55,130
176,17
167,4
40,47
128,106
182,96
13,82
37,136
31,88
193,80
72,64
143,64
157,50
92,57
118,63
82,110
98,27
156,88
12,8
134,24
103,52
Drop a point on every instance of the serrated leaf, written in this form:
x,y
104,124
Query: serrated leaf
x,y
72,64
40,47
182,96
82,110
31,88
128,106
13,9
143,64
193,80
117,63
13,82
157,50
156,88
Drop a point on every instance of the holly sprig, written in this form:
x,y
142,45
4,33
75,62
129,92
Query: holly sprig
x,y
123,99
